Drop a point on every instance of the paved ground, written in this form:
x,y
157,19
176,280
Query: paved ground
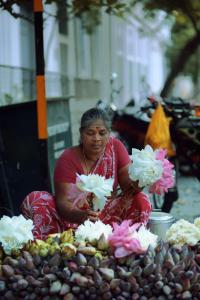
x,y
188,204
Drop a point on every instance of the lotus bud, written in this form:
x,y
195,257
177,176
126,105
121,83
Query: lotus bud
x,y
68,250
53,237
114,283
106,262
15,252
130,259
97,278
149,269
7,270
55,287
81,259
137,271
166,289
22,284
53,248
159,284
94,262
55,260
50,277
67,236
72,266
43,252
87,250
178,287
102,243
64,289
8,260
79,279
187,295
89,270
69,296
107,273
123,273
98,255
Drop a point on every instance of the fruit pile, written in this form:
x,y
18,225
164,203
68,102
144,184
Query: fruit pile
x,y
60,268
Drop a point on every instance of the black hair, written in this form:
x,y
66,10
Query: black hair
x,y
94,114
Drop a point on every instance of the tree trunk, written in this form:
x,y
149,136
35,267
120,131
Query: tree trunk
x,y
190,47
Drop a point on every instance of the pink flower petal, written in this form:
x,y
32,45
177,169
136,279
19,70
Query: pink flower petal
x,y
167,181
122,252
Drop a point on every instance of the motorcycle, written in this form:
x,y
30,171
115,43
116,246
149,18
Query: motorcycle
x,y
130,126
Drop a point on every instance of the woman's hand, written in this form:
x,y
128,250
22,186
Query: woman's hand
x,y
67,210
79,216
92,215
128,186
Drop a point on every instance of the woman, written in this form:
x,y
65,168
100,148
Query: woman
x,y
98,153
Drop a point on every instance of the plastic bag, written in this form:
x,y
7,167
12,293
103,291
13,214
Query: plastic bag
x,y
158,133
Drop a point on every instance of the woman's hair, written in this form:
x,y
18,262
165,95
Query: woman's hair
x,y
93,114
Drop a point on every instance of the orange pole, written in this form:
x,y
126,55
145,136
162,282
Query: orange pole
x,y
40,77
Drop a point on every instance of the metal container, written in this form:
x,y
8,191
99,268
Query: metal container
x,y
159,223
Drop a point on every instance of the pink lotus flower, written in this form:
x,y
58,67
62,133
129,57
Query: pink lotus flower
x,y
127,239
122,239
167,180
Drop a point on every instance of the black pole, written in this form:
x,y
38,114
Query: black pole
x,y
41,97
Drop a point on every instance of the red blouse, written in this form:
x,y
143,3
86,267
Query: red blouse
x,y
69,164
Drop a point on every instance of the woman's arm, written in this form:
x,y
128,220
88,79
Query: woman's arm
x,y
66,209
128,186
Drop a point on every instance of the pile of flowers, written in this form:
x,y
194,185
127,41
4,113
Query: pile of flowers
x,y
15,232
124,239
127,239
93,188
152,170
92,231
183,232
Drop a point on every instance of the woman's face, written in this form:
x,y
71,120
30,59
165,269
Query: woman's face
x,y
95,137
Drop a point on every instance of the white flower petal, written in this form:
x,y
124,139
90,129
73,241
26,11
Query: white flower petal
x,y
15,232
90,231
183,232
145,168
98,185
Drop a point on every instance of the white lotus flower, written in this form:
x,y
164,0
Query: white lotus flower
x,y
15,232
145,168
197,222
183,232
98,185
146,238
91,231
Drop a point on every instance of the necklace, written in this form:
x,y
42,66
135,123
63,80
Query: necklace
x,y
94,162
85,163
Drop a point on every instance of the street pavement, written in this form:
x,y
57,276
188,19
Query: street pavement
x,y
188,205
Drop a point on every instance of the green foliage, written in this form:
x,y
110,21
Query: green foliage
x,y
180,34
185,15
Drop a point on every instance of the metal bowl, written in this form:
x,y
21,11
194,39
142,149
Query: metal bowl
x,y
159,223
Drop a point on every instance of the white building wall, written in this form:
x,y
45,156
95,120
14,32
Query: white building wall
x,y
51,40
10,87
90,61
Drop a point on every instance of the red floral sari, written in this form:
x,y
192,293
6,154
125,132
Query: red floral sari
x,y
40,205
